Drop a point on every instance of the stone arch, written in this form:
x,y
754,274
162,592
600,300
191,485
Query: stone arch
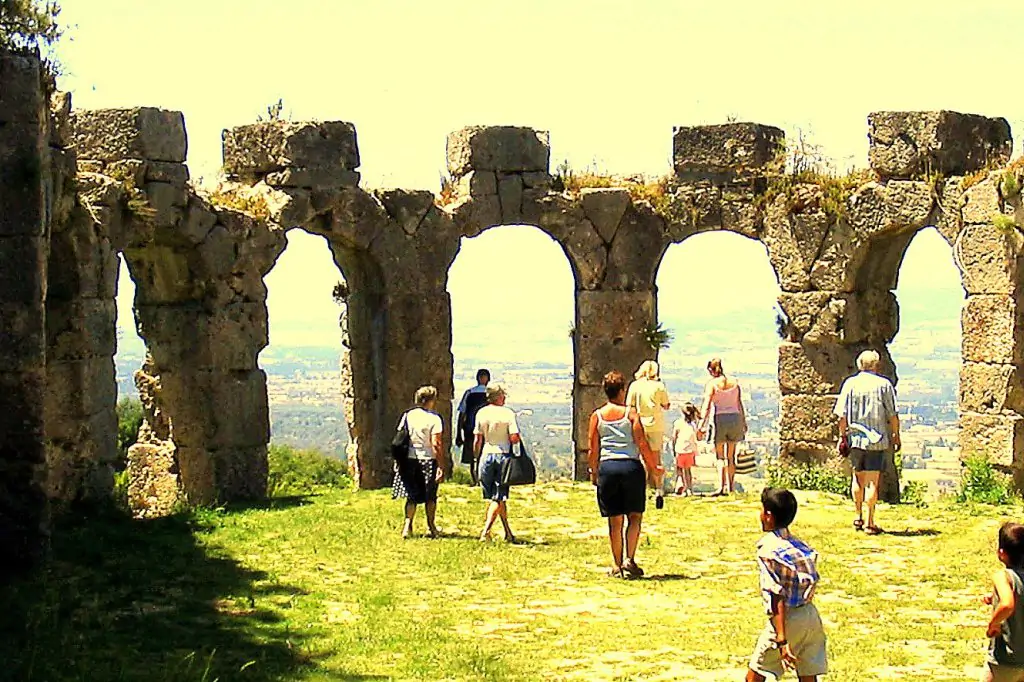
x,y
725,252
511,275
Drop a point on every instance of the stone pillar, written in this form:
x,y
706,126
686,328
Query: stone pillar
x,y
24,224
915,145
991,386
81,389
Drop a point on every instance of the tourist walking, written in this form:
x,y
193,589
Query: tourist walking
x,y
494,434
723,393
649,397
1005,628
617,444
417,476
870,428
472,400
684,445
794,636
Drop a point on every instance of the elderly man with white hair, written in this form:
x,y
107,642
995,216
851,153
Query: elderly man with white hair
x,y
870,427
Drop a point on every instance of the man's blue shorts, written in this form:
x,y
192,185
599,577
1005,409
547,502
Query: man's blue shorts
x,y
490,476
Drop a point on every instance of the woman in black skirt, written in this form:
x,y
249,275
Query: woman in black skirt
x,y
617,442
418,475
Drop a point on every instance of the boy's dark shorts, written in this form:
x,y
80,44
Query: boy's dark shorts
x,y
867,460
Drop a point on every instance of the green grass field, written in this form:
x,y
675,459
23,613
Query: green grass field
x,y
323,588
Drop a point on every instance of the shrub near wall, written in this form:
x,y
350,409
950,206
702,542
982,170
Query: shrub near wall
x,y
301,472
828,477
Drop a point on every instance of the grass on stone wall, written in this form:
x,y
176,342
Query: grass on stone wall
x,y
323,588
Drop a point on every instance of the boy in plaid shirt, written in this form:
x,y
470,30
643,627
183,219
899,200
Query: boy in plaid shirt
x,y
794,636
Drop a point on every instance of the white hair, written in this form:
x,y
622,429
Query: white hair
x,y
868,360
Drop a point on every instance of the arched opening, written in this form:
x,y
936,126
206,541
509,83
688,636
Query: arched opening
x,y
131,348
513,310
303,360
927,356
717,295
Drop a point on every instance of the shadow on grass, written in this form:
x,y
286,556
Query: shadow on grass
x,y
274,503
144,600
669,577
913,533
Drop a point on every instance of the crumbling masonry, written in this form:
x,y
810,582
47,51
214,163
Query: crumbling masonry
x,y
78,189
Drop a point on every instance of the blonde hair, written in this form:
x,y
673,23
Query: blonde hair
x,y
715,367
648,370
494,392
424,394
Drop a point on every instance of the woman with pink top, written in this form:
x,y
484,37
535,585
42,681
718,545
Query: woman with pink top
x,y
723,392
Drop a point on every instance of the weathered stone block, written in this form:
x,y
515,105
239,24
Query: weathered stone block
x,y
261,148
473,215
477,183
241,473
636,251
22,270
907,144
507,149
586,399
992,331
152,481
510,196
161,171
813,369
995,437
21,97
808,418
187,335
729,151
898,205
605,208
314,178
80,329
801,310
215,409
981,201
22,338
610,332
80,388
139,133
407,208
990,388
987,259
23,210
805,451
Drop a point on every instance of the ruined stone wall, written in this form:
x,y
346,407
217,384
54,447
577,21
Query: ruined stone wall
x,y
24,233
198,262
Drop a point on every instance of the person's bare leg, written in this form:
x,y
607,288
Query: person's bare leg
x,y
615,540
431,516
492,514
857,490
730,468
503,515
721,465
633,523
688,478
410,513
871,494
808,678
754,677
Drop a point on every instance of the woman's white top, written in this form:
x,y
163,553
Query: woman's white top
x,y
423,426
496,424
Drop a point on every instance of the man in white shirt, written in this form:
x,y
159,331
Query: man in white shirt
x,y
495,433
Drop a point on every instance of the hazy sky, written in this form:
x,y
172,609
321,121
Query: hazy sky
x,y
609,80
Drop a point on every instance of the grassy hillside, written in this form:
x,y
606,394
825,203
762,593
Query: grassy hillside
x,y
324,589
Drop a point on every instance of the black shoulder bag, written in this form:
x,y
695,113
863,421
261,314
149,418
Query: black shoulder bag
x,y
400,443
518,469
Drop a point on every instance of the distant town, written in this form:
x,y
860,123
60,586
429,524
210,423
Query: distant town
x,y
303,386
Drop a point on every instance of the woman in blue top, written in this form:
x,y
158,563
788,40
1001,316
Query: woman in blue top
x,y
617,442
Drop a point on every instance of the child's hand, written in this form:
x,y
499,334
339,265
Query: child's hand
x,y
993,630
987,600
